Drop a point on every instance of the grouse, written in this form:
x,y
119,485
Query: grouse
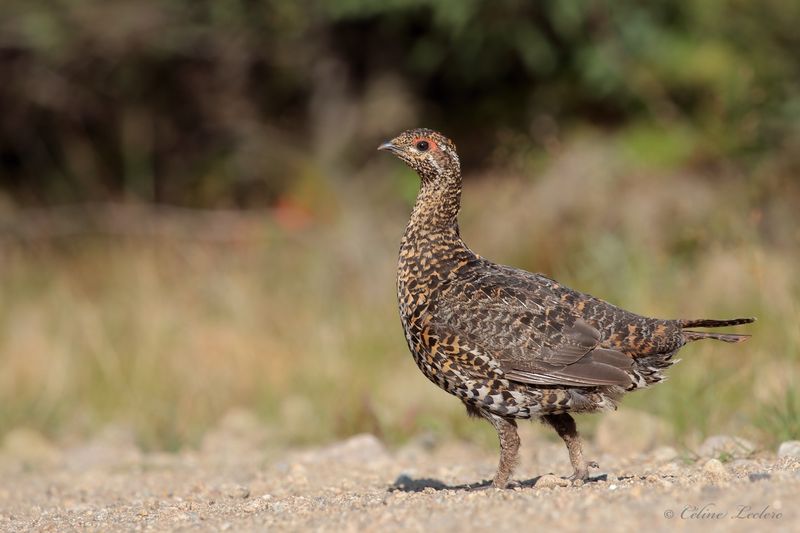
x,y
513,344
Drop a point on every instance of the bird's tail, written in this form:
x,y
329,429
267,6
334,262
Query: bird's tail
x,y
690,335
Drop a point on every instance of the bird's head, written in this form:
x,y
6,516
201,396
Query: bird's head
x,y
432,155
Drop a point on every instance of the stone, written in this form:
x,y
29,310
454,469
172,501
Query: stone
x,y
790,448
715,471
549,481
669,469
112,447
664,454
239,434
758,476
30,448
726,447
359,449
236,491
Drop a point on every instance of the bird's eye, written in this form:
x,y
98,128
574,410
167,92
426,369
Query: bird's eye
x,y
422,146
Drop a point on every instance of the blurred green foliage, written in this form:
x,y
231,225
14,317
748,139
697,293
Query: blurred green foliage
x,y
214,103
646,152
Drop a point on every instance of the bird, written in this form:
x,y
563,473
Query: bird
x,y
511,344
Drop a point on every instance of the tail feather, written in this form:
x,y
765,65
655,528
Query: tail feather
x,y
725,337
710,323
690,335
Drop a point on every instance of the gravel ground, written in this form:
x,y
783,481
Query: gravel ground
x,y
235,482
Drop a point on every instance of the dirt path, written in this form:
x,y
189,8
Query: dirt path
x,y
233,484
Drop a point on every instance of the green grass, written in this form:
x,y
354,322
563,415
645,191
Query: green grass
x,y
781,418
300,326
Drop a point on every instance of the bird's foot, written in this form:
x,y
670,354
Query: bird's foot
x,y
581,474
499,484
503,483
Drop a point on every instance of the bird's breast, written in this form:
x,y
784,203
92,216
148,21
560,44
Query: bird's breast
x,y
425,271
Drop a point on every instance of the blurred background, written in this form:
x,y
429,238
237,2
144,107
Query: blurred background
x,y
194,218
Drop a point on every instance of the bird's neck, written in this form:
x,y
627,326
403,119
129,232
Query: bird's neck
x,y
437,205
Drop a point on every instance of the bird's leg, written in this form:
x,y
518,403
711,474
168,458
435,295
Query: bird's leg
x,y
564,425
509,448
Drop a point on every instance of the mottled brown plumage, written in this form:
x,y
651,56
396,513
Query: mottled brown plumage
x,y
509,343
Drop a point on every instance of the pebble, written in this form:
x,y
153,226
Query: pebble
x,y
743,464
726,446
669,469
180,497
253,506
663,454
715,470
790,448
758,476
237,491
30,447
549,481
359,449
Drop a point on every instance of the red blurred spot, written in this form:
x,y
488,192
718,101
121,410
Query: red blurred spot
x,y
291,216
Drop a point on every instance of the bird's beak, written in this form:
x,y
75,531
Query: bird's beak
x,y
389,147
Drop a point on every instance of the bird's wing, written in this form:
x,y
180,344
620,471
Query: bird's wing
x,y
528,331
